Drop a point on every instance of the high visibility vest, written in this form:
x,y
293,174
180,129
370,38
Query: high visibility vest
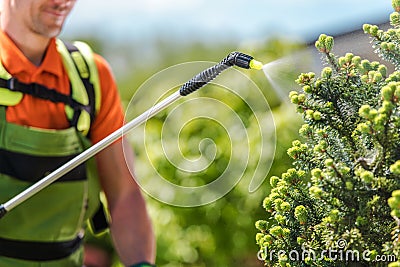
x,y
48,225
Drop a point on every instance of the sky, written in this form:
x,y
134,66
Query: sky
x,y
213,20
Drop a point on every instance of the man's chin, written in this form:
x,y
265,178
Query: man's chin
x,y
51,32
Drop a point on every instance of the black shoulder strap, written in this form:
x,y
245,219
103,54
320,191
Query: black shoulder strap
x,y
40,91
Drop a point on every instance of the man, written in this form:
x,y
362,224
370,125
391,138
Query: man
x,y
28,51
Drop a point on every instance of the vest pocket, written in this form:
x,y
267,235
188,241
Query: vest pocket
x,y
54,214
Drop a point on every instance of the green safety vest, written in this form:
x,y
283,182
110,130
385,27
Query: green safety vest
x,y
47,227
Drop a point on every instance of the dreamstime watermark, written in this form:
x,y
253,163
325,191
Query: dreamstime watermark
x,y
340,253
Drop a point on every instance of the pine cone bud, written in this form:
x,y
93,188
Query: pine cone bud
x,y
396,5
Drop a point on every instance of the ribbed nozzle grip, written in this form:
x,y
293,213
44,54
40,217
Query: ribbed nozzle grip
x,y
206,76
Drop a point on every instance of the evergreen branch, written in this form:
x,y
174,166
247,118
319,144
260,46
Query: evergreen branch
x,y
351,151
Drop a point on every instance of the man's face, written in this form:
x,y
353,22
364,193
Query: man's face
x,y
43,17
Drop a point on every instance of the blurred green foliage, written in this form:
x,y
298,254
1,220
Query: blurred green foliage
x,y
220,233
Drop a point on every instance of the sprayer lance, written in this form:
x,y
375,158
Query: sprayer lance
x,y
198,81
206,76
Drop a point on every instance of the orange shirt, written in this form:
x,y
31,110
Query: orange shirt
x,y
41,113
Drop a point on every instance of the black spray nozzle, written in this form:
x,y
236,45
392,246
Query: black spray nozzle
x,y
233,59
239,59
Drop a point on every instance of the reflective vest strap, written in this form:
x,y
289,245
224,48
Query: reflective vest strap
x,y
8,98
79,71
79,91
87,54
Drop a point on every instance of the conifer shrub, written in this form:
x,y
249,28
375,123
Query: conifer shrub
x,y
339,204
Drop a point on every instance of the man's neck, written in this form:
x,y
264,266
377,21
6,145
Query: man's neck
x,y
31,45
